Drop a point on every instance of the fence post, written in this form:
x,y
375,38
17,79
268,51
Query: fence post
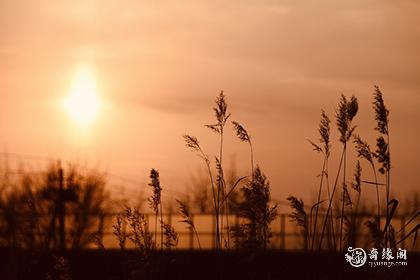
x,y
403,230
192,234
213,233
282,232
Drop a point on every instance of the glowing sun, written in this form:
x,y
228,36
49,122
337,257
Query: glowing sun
x,y
83,103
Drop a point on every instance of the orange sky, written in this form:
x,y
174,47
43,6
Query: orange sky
x,y
159,65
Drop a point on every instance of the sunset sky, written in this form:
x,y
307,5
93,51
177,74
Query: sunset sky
x,y
156,68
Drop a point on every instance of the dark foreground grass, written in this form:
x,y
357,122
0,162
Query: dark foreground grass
x,y
110,264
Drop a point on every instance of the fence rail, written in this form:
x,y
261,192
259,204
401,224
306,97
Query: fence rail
x,y
285,234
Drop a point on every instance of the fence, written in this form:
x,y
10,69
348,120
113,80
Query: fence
x,y
285,234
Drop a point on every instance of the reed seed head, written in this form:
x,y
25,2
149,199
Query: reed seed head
x,y
298,215
221,114
356,185
171,236
185,214
155,199
363,149
345,113
381,112
383,155
346,196
192,142
324,132
241,132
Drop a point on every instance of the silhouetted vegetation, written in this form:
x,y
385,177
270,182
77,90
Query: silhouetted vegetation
x,y
348,212
255,233
63,210
55,210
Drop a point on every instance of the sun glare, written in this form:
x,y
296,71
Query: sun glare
x,y
83,103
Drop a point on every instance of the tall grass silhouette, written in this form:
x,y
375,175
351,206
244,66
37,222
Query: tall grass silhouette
x,y
349,220
346,111
188,219
255,233
324,132
243,135
29,212
221,194
299,216
155,202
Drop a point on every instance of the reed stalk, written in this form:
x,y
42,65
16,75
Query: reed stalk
x,y
346,111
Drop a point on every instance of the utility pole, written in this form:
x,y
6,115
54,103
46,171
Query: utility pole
x,y
61,210
59,196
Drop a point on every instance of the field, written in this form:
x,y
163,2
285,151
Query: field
x,y
111,264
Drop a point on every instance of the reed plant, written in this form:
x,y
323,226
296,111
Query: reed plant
x,y
155,202
188,219
349,222
171,236
345,113
244,136
299,216
352,222
219,184
324,148
222,115
193,143
119,230
382,153
364,152
254,233
139,233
